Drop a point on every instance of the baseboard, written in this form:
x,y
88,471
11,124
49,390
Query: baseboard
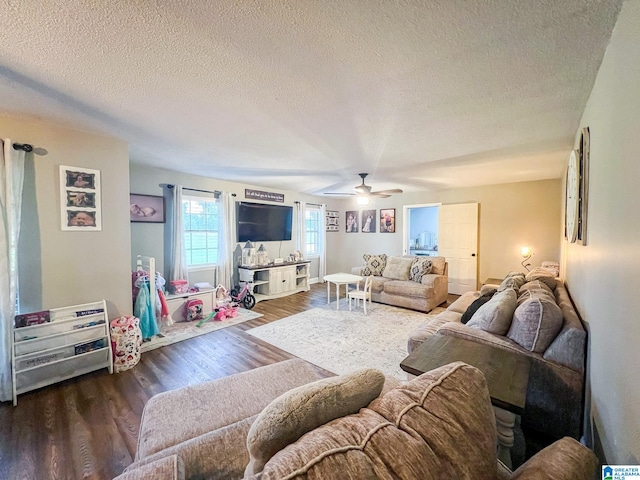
x,y
597,444
314,280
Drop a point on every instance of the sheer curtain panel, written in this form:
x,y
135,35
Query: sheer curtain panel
x,y
11,180
178,253
227,239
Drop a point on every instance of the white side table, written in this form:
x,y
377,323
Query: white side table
x,y
340,279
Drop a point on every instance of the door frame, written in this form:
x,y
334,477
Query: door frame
x,y
406,227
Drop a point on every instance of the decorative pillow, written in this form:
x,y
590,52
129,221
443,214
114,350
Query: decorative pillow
x,y
438,425
305,408
475,305
534,289
437,265
420,267
513,280
374,264
397,268
536,323
544,276
495,315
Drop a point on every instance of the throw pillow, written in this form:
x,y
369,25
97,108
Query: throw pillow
x,y
374,264
420,267
397,268
475,305
544,276
437,265
513,280
536,323
534,289
305,408
495,315
438,425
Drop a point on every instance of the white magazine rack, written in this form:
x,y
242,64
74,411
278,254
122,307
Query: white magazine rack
x,y
75,341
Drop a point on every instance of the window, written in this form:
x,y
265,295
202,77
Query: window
x,y
201,218
312,231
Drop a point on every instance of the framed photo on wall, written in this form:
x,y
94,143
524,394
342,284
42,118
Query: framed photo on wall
x,y
387,220
351,223
146,208
368,221
331,221
80,208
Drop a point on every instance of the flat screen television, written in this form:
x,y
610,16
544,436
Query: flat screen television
x,y
259,222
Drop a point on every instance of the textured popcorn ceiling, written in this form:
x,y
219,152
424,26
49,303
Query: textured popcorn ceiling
x,y
304,94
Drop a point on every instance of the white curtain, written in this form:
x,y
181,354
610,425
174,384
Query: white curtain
x,y
322,270
178,252
227,239
301,214
11,180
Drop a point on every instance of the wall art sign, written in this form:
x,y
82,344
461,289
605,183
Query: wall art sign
x,y
332,219
80,208
368,221
146,208
351,217
388,220
260,195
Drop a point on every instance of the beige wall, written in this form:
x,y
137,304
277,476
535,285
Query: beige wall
x,y
603,277
65,268
511,216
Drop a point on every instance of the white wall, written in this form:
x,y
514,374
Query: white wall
x,y
65,268
603,277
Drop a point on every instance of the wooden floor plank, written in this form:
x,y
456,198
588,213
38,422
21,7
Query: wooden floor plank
x,y
87,427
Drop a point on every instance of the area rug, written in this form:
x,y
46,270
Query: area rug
x,y
180,331
343,341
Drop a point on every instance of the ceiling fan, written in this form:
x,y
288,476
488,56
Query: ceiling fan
x,y
365,190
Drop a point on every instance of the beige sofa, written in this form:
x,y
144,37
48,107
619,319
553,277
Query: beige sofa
x,y
554,403
394,282
440,425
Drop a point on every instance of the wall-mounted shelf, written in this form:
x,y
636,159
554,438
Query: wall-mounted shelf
x,y
75,341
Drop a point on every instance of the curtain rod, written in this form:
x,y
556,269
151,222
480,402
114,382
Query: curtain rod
x,y
215,192
314,204
23,146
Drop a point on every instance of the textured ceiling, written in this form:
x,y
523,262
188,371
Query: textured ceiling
x,y
302,94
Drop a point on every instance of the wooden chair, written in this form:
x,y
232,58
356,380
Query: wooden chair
x,y
364,294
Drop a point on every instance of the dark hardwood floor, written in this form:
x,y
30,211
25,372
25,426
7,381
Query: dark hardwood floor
x,y
87,427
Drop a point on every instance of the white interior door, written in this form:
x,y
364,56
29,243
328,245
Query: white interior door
x,y
458,243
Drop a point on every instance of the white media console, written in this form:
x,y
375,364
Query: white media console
x,y
275,281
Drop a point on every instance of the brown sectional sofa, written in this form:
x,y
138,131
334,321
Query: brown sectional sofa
x,y
554,405
393,285
440,425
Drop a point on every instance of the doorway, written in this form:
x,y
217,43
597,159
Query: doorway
x,y
420,231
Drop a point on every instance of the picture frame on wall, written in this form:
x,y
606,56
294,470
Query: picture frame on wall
x,y
583,193
387,220
332,221
351,221
146,208
80,199
368,221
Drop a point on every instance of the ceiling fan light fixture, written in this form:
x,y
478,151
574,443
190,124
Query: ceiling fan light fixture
x,y
362,200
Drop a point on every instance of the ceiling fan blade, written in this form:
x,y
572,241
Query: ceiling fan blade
x,y
387,192
337,193
379,195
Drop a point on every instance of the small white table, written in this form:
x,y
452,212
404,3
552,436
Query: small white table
x,y
340,279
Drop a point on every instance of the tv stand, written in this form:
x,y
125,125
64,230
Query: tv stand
x,y
277,280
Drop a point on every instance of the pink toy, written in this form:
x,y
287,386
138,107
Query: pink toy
x,y
226,312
